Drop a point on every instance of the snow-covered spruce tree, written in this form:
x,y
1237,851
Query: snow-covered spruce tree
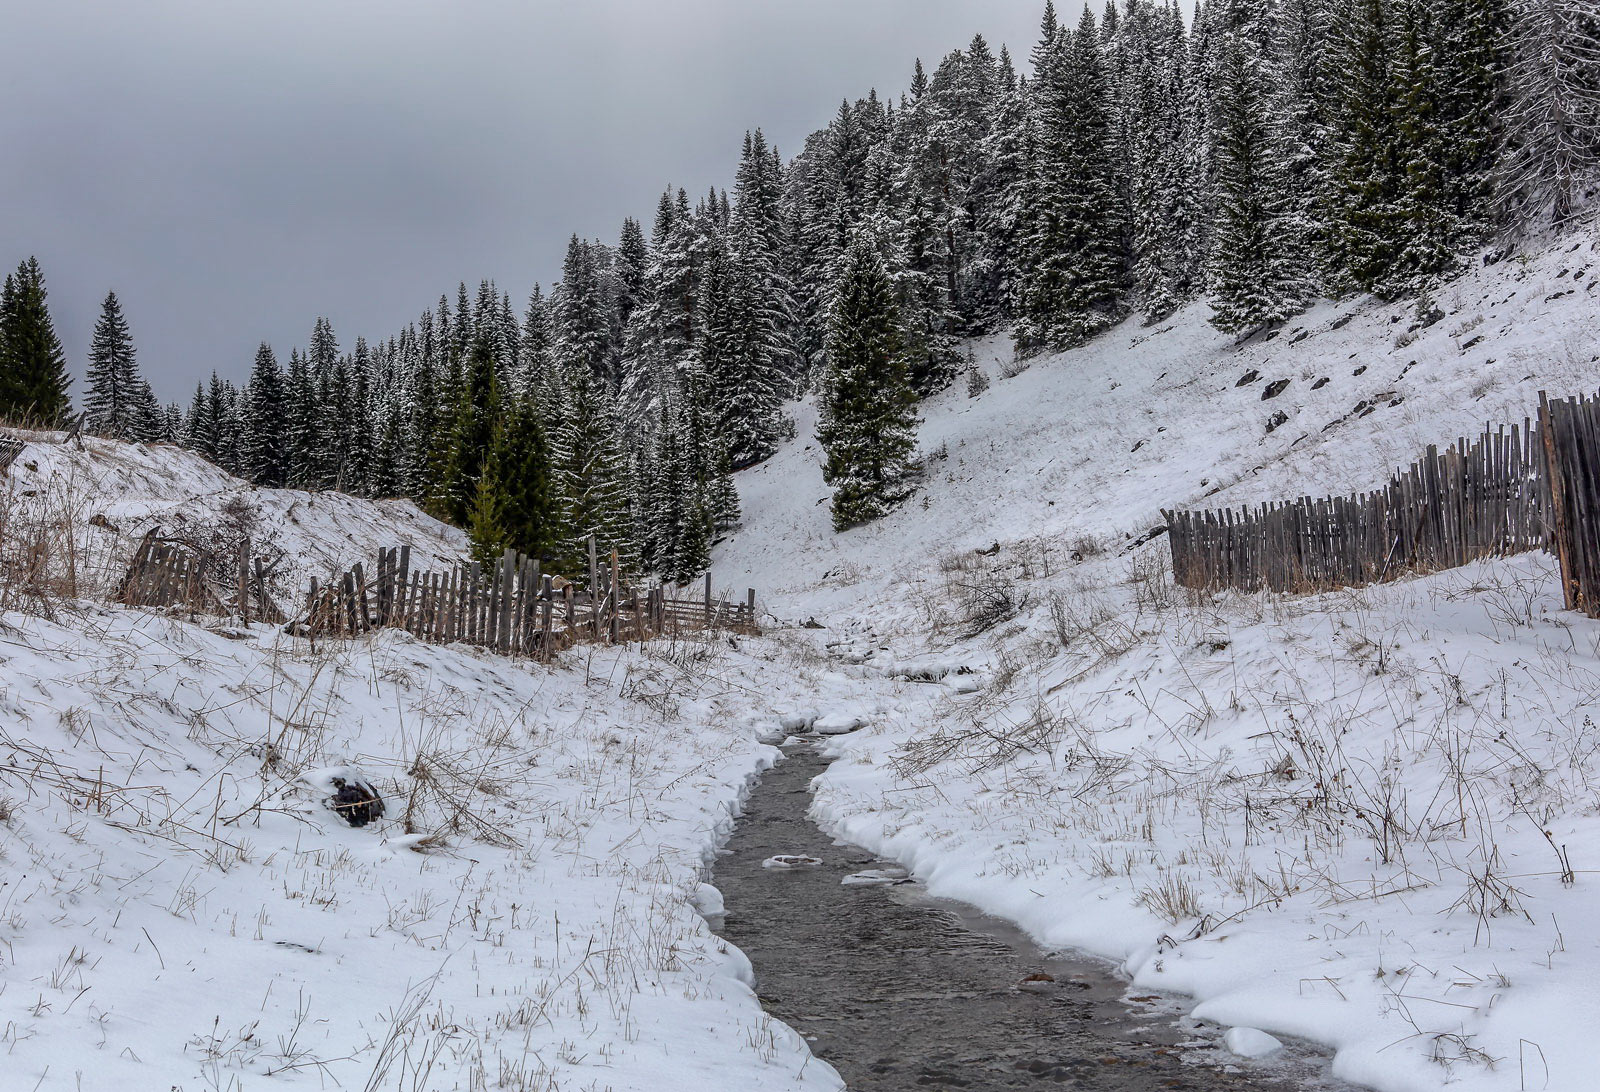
x,y
513,506
1552,130
632,268
1470,57
1159,192
661,327
1072,275
535,355
114,401
423,412
591,469
477,408
195,433
304,439
33,369
386,474
1302,39
1258,273
830,199
223,424
1367,227
1006,155
266,422
582,320
684,523
739,350
644,493
868,423
693,498
909,202
356,412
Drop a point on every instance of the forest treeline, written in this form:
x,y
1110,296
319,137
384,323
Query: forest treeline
x,y
1258,156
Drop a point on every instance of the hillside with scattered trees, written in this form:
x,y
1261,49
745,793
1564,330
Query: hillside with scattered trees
x,y
1259,156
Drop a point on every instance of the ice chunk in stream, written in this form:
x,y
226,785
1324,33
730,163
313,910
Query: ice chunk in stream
x,y
1250,1043
876,876
790,860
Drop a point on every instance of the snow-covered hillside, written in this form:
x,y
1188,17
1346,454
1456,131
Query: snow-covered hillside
x,y
108,494
1342,817
1097,441
181,907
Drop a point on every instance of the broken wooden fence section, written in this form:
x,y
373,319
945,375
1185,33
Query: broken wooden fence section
x,y
172,573
1533,487
10,448
512,606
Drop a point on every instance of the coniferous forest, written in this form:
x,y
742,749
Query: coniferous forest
x,y
1258,156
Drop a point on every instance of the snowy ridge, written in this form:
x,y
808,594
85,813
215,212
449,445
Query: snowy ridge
x,y
133,488
1339,817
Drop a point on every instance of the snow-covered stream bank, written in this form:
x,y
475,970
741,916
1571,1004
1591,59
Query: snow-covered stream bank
x,y
1362,818
899,992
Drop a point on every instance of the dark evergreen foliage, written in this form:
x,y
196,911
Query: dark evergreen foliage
x,y
33,368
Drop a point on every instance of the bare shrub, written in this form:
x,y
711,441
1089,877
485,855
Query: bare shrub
x,y
1086,547
1150,574
984,600
1173,898
44,563
1014,367
1081,621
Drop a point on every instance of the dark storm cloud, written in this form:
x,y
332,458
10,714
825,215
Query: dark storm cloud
x,y
235,169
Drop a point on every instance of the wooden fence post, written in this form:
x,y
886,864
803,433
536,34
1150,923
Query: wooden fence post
x,y
1556,477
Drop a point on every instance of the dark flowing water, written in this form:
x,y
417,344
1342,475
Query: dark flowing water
x,y
901,992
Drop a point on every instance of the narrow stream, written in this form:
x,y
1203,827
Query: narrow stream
x,y
899,991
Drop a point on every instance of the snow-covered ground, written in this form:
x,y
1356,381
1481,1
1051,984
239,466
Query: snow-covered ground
x,y
1343,817
179,908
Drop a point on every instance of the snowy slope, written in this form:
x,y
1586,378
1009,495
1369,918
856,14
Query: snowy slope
x,y
1339,817
1098,440
133,488
181,908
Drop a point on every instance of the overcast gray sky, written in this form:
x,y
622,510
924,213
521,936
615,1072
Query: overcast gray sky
x,y
234,169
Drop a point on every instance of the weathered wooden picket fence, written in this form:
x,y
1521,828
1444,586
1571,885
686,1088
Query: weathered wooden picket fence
x,y
172,573
1570,430
1529,487
10,448
511,607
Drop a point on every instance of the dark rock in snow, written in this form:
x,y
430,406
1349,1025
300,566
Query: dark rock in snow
x,y
1319,384
1248,378
1275,388
1277,419
356,802
1359,370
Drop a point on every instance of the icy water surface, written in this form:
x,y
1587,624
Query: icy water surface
x,y
901,992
